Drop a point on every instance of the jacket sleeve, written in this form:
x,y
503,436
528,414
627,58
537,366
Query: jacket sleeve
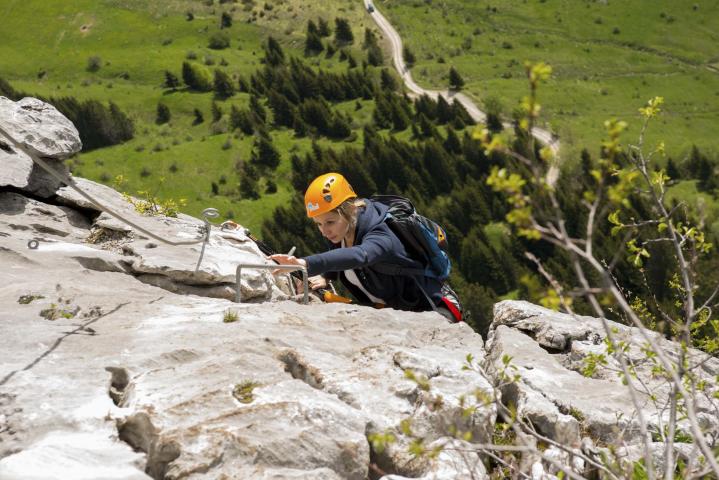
x,y
377,245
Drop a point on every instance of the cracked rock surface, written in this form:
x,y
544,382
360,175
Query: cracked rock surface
x,y
106,375
548,351
119,379
39,128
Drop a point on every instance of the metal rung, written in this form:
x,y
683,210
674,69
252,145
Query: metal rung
x,y
265,266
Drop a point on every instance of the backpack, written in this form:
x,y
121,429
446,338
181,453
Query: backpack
x,y
423,238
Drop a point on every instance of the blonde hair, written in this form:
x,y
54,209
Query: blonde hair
x,y
349,210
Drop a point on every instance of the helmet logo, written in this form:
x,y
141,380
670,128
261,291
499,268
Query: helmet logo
x,y
311,207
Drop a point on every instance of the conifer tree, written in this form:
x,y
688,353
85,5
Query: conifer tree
x,y
313,44
705,175
343,32
444,111
339,127
408,56
257,109
283,112
455,80
382,115
270,186
188,74
400,118
438,167
300,127
452,143
493,109
316,113
330,51
216,112
274,55
225,20
374,55
223,84
426,127
199,118
264,154
693,165
369,38
171,81
163,114
461,115
427,106
248,183
242,85
323,27
672,170
387,81
312,27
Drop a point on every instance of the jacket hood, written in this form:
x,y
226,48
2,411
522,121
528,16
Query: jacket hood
x,y
369,217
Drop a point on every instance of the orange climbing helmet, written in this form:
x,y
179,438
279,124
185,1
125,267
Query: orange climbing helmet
x,y
326,193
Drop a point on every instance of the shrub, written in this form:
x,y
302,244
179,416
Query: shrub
x,y
219,41
163,114
94,63
196,77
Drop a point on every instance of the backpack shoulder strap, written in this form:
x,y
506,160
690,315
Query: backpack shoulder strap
x,y
392,269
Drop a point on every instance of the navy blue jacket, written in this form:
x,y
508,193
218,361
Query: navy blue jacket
x,y
376,244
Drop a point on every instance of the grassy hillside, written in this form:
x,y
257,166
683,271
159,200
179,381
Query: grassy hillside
x,y
608,58
46,48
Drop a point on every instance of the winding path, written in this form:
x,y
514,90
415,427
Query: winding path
x,y
543,136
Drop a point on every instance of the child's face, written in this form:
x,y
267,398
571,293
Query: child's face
x,y
332,226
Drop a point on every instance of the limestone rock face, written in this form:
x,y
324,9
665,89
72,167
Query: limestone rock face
x,y
548,351
39,127
43,131
106,372
108,375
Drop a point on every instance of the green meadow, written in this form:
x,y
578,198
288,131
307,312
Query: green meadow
x,y
46,47
608,58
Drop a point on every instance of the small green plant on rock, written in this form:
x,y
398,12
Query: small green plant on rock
x,y
229,316
56,311
25,299
243,391
149,203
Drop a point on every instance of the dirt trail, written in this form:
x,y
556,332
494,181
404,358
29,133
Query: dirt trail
x,y
543,136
